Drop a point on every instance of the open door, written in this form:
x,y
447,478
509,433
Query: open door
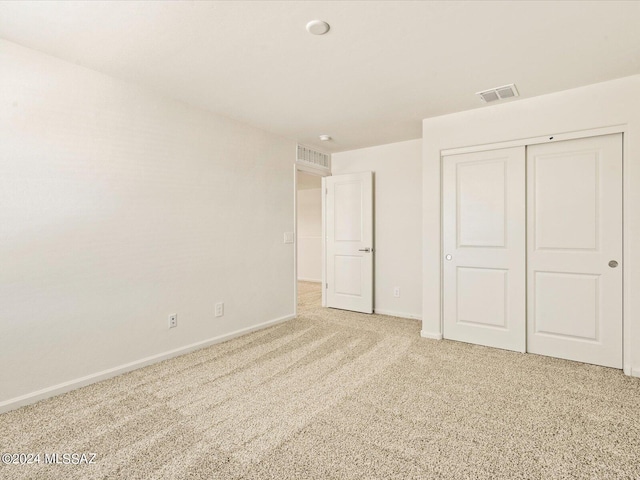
x,y
349,241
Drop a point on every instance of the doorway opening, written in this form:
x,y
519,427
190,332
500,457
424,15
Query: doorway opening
x,y
309,244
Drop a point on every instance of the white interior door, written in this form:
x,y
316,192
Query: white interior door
x,y
349,243
575,233
484,248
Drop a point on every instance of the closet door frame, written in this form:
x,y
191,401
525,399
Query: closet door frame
x,y
626,212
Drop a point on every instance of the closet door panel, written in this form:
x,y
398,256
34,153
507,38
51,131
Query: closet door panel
x,y
574,211
484,248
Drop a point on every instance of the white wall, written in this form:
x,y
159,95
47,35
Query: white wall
x,y
605,104
119,207
397,206
310,234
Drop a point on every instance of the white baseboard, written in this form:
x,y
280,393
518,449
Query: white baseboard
x,y
313,280
432,336
54,390
635,372
390,313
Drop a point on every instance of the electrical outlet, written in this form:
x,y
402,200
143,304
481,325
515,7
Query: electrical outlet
x,y
173,320
396,292
219,309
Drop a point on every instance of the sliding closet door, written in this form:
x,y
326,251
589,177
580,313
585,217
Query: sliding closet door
x,y
575,250
484,248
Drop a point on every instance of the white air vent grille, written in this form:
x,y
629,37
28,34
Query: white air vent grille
x,y
498,93
313,158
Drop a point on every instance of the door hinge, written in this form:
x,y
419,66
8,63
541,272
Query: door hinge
x,y
326,285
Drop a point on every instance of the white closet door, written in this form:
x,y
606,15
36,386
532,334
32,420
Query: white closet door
x,y
575,235
484,248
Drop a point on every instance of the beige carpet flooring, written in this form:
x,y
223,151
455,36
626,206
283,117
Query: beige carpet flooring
x,y
339,395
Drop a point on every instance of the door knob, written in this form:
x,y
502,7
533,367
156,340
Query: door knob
x,y
364,250
448,257
613,264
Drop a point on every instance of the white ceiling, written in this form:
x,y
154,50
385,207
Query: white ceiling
x,y
383,67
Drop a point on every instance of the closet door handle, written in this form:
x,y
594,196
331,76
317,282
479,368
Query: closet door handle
x,y
613,264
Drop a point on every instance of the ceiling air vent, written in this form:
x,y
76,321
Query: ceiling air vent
x,y
312,158
498,93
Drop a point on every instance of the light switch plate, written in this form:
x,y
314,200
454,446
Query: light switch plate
x,y
288,237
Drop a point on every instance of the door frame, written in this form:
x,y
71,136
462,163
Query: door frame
x,y
317,173
626,189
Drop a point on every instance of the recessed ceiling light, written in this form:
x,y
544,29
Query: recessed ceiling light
x,y
325,138
318,27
